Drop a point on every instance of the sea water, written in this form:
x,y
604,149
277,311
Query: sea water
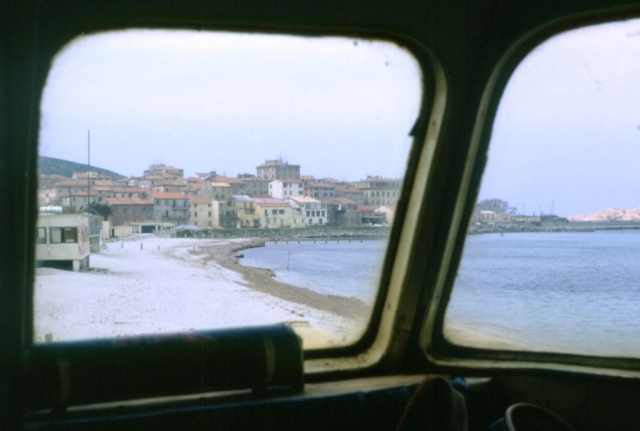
x,y
349,268
564,292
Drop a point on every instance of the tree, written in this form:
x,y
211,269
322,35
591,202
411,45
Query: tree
x,y
98,208
496,205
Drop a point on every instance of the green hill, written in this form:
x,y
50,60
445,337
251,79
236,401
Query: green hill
x,y
53,166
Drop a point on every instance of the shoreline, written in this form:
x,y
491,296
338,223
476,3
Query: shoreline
x,y
462,335
566,227
291,234
263,280
149,285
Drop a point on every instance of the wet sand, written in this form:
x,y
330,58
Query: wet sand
x,y
263,280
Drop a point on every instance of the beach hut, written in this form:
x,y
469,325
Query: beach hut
x,y
63,237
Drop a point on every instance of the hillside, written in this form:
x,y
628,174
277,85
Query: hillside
x,y
53,166
610,214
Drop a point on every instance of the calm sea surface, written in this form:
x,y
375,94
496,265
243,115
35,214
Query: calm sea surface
x,y
569,292
344,268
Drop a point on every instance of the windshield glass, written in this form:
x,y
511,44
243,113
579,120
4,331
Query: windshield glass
x,y
551,257
196,180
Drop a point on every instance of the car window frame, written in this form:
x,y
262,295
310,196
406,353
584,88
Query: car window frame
x,y
442,354
374,342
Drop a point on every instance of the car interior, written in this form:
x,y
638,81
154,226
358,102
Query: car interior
x,y
407,370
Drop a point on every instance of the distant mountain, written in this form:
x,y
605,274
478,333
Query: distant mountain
x,y
52,166
610,214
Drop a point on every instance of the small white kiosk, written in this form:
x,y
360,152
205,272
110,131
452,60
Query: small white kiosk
x,y
63,237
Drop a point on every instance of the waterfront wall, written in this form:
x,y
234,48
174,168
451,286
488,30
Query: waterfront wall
x,y
289,234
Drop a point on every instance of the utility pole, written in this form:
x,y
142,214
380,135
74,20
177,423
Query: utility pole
x,y
88,168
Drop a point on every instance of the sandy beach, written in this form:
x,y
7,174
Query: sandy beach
x,y
146,284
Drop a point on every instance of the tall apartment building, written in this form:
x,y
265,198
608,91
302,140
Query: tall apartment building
x,y
278,170
164,171
170,208
380,191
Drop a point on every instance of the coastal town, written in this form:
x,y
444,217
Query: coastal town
x,y
275,196
135,271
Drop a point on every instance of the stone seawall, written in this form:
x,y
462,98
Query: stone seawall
x,y
551,227
290,234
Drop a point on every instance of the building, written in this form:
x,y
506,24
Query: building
x,y
314,211
120,192
236,184
277,213
127,211
223,214
78,200
283,189
352,193
53,193
95,233
380,191
63,237
344,212
169,186
369,215
389,212
255,187
164,171
320,190
217,191
278,170
170,208
200,211
248,216
92,175
487,216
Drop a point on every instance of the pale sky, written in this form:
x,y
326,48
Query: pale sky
x,y
205,101
567,132
568,127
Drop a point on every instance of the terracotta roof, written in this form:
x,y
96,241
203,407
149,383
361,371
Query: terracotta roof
x,y
160,195
128,201
227,180
320,186
80,194
66,183
303,199
270,202
127,190
345,200
199,200
348,190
